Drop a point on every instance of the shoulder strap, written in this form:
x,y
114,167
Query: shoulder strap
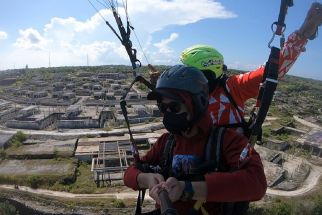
x,y
214,147
223,82
167,154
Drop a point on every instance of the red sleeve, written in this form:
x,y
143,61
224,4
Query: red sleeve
x,y
290,52
248,183
245,86
152,157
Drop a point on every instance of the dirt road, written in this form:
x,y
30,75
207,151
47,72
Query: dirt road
x,y
123,195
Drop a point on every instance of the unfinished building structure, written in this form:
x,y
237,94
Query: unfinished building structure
x,y
110,156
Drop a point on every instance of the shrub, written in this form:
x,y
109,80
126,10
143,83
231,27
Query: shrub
x,y
20,136
34,181
8,209
279,208
2,154
317,210
118,203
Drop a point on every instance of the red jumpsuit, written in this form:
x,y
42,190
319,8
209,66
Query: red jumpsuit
x,y
245,86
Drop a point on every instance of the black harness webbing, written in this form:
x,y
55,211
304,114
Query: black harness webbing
x,y
223,83
266,92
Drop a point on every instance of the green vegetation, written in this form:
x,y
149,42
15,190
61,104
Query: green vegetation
x,y
3,154
118,203
266,132
7,209
299,152
283,137
279,208
84,182
90,135
142,87
34,181
18,139
42,179
56,153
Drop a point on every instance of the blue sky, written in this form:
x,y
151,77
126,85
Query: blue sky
x,y
70,30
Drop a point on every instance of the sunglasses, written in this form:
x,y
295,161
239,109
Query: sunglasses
x,y
173,107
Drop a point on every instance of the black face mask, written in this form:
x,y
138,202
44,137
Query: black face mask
x,y
176,123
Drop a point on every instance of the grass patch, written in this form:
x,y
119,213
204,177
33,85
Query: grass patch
x,y
7,209
37,173
18,139
84,183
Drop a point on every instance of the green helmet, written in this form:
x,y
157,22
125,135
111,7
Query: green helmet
x,y
203,57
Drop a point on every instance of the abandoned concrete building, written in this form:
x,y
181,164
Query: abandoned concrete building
x,y
83,92
40,94
39,83
84,74
132,96
7,111
58,86
99,95
91,118
153,110
70,86
7,81
115,87
97,87
313,142
34,122
69,95
140,110
73,111
88,86
27,111
57,94
136,114
108,76
20,92
110,96
4,105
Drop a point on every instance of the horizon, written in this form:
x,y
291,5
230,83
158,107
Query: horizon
x,y
235,70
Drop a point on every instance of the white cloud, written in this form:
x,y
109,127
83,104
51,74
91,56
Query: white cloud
x,y
163,44
70,40
31,39
160,13
3,35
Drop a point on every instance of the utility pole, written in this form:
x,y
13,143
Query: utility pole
x,y
49,60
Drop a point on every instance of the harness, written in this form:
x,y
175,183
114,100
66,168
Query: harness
x,y
213,162
243,124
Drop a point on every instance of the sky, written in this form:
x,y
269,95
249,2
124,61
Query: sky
x,y
43,33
